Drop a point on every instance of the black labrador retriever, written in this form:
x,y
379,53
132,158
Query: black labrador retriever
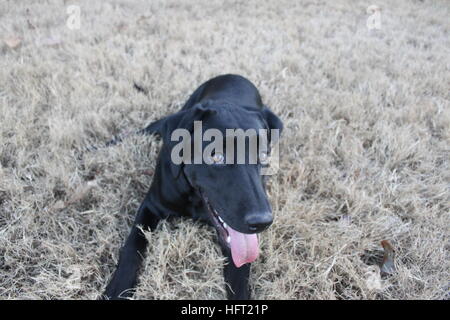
x,y
230,197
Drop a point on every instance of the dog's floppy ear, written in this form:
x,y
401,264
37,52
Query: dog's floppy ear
x,y
183,119
273,122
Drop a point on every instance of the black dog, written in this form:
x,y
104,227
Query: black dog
x,y
232,198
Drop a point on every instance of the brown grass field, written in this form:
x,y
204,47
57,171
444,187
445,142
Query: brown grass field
x,y
364,155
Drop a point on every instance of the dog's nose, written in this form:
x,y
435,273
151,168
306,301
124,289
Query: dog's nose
x,y
259,222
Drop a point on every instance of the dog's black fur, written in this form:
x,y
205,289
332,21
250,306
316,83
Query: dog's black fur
x,y
235,192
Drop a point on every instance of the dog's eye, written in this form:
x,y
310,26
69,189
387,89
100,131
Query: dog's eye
x,y
217,158
263,157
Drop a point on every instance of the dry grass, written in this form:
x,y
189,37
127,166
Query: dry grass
x,y
365,154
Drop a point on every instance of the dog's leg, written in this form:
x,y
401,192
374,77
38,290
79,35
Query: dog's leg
x,y
131,254
236,279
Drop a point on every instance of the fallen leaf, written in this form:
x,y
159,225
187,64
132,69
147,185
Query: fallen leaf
x,y
81,192
387,265
13,42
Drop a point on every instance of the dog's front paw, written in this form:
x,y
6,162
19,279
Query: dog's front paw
x,y
115,293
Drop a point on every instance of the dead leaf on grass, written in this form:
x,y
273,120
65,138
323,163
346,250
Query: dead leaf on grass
x,y
79,194
13,42
387,265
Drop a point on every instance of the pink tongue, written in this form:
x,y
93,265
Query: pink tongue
x,y
244,247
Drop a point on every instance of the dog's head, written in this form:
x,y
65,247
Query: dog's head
x,y
230,183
